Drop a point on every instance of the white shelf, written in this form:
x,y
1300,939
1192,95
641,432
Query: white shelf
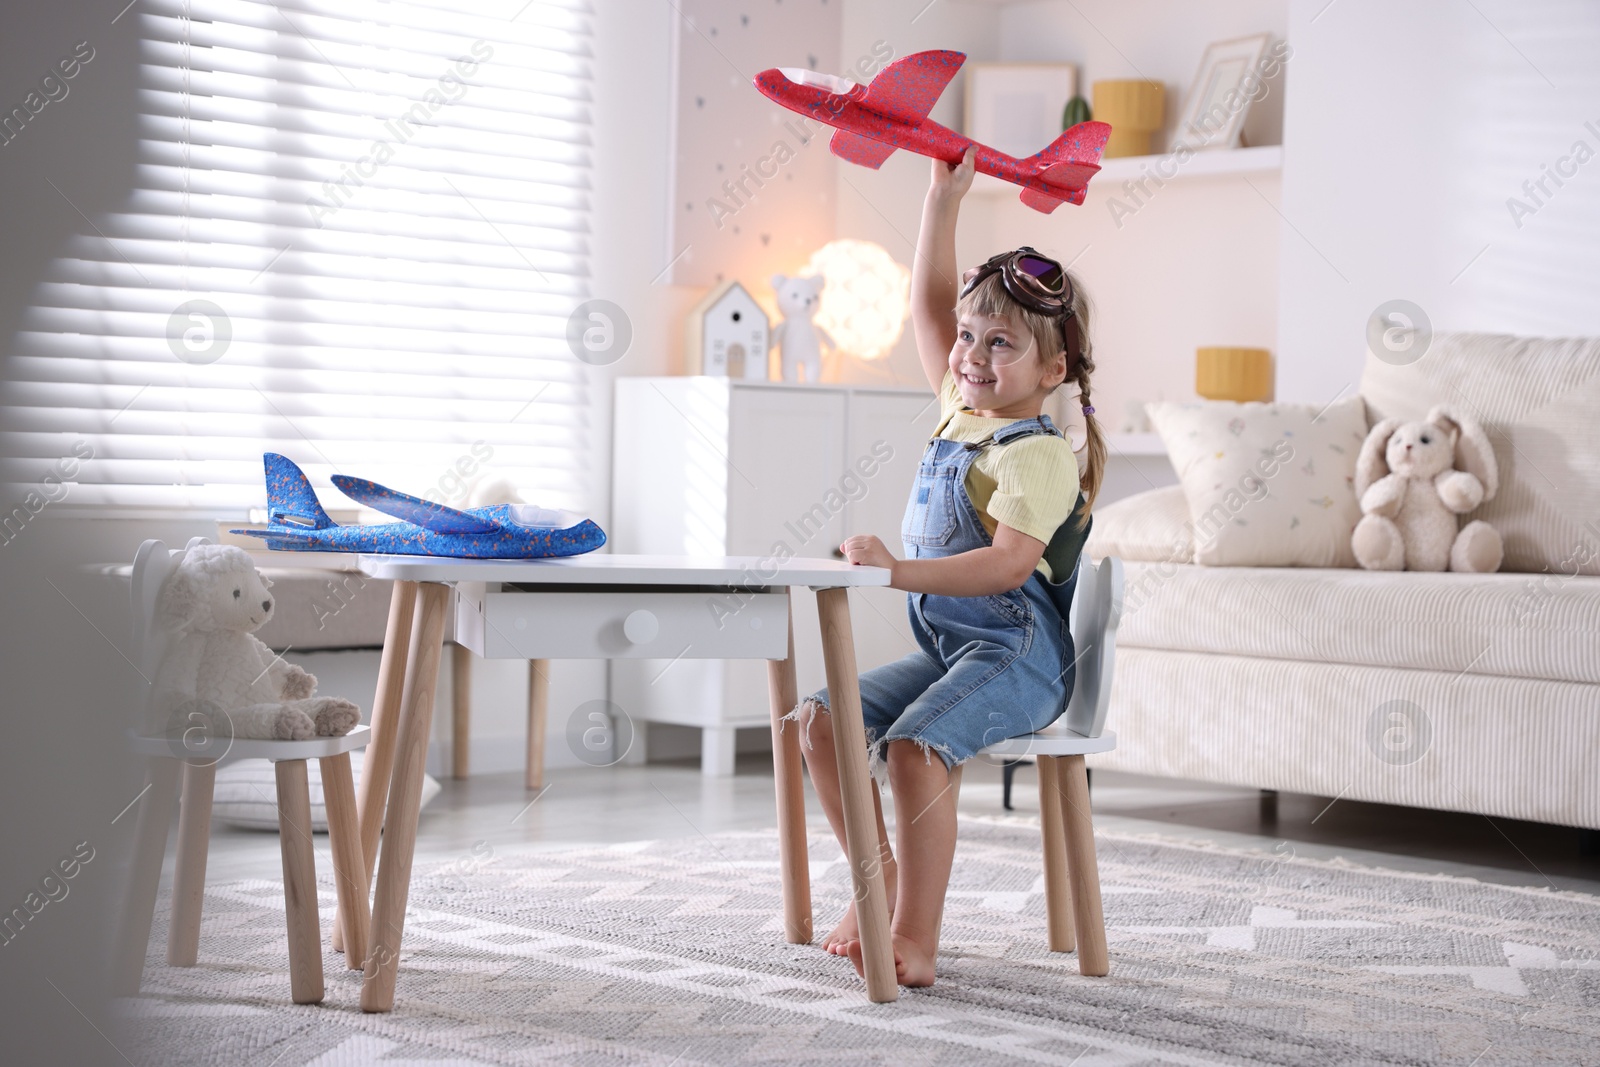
x,y
1214,163
1135,444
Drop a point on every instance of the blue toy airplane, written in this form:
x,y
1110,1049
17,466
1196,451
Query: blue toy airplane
x,y
297,523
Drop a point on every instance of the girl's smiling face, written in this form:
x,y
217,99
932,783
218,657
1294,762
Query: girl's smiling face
x,y
998,369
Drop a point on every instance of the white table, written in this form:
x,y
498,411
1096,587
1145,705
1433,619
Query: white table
x,y
608,607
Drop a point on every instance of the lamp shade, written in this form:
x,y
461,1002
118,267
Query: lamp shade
x,y
866,296
1135,109
1233,373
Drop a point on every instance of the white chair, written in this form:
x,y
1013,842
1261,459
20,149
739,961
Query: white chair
x,y
198,750
1071,873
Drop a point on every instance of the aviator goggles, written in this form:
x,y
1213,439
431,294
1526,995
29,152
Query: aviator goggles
x,y
1039,284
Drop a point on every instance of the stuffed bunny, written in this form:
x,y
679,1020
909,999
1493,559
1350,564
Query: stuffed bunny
x,y
210,606
799,339
1413,479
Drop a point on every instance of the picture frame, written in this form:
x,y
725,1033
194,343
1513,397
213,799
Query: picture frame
x,y
1016,108
1214,109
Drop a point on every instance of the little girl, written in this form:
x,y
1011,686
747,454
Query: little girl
x,y
993,530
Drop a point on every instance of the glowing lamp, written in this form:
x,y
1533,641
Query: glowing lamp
x,y
1233,373
866,296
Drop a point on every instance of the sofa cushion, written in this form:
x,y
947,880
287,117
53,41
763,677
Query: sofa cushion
x,y
1517,625
324,609
1268,485
1537,399
1151,526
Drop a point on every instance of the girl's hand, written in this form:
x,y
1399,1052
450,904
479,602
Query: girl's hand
x,y
953,182
867,551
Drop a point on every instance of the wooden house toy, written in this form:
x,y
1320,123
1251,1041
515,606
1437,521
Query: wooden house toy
x,y
727,335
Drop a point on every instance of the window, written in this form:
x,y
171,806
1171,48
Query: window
x,y
356,233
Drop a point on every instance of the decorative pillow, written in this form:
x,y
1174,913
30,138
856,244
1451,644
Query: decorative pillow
x,y
1148,527
246,795
1268,485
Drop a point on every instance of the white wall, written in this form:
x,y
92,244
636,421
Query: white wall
x,y
1408,128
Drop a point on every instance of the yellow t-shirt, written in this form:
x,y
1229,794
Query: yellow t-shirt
x,y
1031,484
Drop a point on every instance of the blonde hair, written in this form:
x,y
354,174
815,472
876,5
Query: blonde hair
x,y
989,297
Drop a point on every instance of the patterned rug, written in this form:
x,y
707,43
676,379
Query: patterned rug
x,y
670,953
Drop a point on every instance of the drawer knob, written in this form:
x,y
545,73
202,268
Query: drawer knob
x,y
641,627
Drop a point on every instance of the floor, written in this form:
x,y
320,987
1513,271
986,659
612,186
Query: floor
x,y
474,818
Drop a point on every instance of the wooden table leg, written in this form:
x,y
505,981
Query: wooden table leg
x,y
1053,835
538,715
855,787
460,711
189,874
793,854
299,882
405,799
144,880
344,841
375,766
1092,955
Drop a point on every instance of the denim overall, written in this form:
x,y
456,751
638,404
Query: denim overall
x,y
988,667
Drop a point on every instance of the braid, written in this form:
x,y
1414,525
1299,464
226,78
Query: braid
x,y
1094,458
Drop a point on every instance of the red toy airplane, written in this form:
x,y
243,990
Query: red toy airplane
x,y
871,121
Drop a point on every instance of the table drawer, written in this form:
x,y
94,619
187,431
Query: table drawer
x,y
628,624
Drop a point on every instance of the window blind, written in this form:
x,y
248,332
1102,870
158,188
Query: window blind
x,y
355,236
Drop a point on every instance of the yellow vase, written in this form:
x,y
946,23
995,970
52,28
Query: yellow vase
x,y
1135,108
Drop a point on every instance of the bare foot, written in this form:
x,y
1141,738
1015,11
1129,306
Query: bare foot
x,y
849,929
913,963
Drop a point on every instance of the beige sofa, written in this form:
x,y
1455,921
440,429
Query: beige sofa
x,y
1477,693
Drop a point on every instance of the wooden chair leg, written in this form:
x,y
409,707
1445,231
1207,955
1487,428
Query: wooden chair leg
x,y
1053,833
783,695
349,869
1085,869
538,715
405,800
460,711
373,792
299,882
189,875
149,849
855,787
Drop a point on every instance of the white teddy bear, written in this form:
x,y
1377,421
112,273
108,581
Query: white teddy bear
x,y
210,606
1411,493
799,340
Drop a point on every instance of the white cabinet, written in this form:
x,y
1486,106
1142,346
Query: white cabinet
x,y
723,467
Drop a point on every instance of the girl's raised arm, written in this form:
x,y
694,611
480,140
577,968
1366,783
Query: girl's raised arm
x,y
934,282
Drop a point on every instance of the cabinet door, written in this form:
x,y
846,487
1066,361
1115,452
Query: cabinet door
x,y
786,461
886,434
669,466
